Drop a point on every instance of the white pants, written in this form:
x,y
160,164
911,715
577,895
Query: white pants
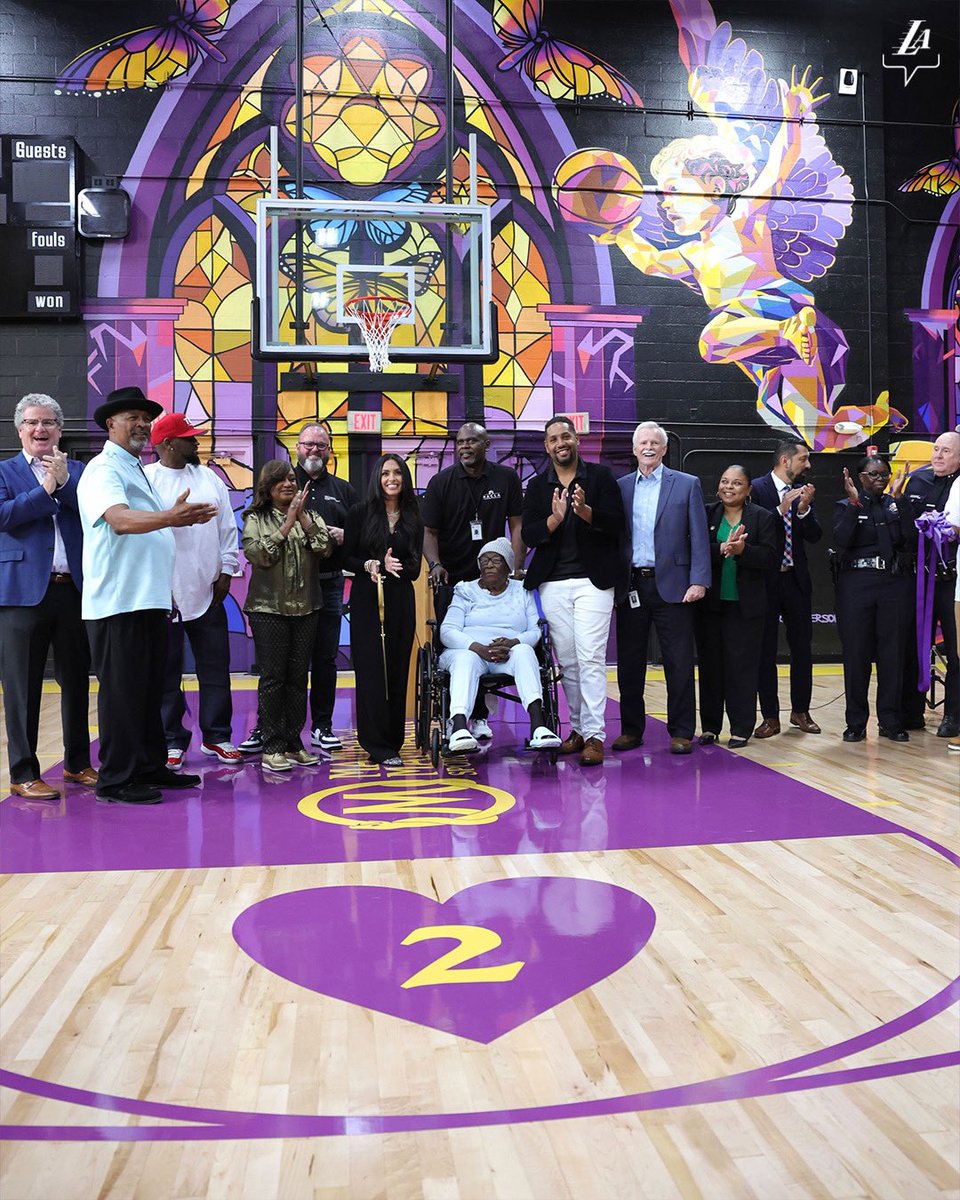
x,y
465,669
579,617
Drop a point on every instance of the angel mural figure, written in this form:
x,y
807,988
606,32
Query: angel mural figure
x,y
747,217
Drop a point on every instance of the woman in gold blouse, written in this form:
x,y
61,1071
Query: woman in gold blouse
x,y
282,541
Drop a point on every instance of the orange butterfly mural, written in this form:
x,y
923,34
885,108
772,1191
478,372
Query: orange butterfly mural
x,y
151,56
559,70
939,178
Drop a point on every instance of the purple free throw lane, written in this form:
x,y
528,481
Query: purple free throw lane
x,y
644,799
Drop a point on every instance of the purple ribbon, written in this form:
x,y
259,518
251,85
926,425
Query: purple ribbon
x,y
938,531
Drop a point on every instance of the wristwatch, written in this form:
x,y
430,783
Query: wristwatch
x,y
431,565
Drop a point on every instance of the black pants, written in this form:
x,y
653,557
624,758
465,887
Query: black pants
x,y
381,709
326,646
872,611
210,643
129,653
785,597
283,646
728,652
26,634
674,626
914,701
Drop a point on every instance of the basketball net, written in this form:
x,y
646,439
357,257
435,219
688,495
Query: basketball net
x,y
377,317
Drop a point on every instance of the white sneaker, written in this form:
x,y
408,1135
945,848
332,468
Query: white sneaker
x,y
324,737
462,742
175,758
544,739
226,752
481,729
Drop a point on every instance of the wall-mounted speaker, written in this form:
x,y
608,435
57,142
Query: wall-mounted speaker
x,y
103,212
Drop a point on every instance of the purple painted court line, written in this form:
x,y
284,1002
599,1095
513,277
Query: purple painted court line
x,y
505,801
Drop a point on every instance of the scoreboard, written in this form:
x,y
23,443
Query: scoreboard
x,y
38,238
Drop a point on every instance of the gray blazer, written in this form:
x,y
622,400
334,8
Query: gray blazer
x,y
681,541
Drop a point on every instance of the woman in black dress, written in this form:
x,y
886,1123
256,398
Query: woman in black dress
x,y
729,619
383,539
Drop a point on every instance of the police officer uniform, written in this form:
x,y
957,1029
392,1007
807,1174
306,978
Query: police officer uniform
x,y
926,493
876,542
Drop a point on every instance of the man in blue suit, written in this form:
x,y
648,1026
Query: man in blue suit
x,y
41,548
669,563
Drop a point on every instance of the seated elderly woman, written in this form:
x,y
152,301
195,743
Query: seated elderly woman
x,y
491,628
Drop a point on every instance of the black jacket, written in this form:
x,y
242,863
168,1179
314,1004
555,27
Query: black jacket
x,y
760,558
926,492
875,528
598,542
805,529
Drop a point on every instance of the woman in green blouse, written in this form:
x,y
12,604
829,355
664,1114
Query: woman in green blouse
x,y
282,541
729,619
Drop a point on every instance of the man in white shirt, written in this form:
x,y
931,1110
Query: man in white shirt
x,y
205,561
127,587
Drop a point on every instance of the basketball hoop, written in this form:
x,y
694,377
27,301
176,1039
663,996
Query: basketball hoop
x,y
377,317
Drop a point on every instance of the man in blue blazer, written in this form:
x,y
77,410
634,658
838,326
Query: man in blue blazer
x,y
41,546
789,497
668,558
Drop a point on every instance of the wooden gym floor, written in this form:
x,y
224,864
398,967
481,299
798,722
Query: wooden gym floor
x,y
729,975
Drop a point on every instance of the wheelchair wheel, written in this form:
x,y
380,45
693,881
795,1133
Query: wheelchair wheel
x,y
435,748
423,702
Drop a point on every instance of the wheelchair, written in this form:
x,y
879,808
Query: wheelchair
x,y
432,706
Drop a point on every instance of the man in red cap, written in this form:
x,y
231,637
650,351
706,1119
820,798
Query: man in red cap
x,y
205,560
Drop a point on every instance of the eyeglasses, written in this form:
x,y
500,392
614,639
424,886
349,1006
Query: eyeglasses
x,y
32,423
314,445
491,560
874,474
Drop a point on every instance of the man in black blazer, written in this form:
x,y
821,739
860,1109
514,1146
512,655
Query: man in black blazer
x,y
573,519
790,498
41,546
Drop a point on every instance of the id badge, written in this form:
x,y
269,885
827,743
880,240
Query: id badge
x,y
476,531
634,597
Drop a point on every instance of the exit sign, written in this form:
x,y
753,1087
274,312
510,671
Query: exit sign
x,y
361,421
581,421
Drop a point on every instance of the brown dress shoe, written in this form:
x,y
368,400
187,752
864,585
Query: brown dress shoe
x,y
627,741
680,746
804,722
88,777
35,789
592,755
768,727
572,743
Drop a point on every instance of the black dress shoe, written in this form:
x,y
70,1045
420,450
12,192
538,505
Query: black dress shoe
x,y
895,735
707,738
854,735
128,793
165,778
948,728
737,743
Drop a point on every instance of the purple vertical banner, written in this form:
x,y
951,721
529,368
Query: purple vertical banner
x,y
593,361
130,344
934,368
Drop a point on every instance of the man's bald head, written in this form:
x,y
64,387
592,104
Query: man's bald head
x,y
945,457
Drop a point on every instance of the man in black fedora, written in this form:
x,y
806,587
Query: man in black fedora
x,y
128,556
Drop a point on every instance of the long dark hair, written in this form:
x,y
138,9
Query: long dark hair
x,y
271,473
376,531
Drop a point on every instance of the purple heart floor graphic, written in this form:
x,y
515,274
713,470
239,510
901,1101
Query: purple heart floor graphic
x,y
484,962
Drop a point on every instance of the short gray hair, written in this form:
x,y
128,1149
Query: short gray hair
x,y
36,400
651,425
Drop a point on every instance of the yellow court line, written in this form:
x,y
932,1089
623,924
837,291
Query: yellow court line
x,y
241,682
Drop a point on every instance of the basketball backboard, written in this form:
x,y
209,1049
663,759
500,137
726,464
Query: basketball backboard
x,y
315,256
